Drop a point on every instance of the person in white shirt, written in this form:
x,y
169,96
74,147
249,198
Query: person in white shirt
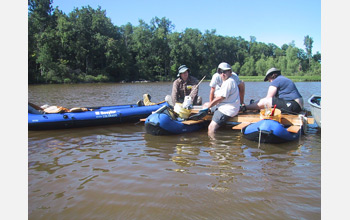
x,y
216,83
226,100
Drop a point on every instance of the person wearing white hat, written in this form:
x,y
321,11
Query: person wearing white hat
x,y
216,82
282,92
184,85
227,100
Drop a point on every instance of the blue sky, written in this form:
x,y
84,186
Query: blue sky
x,y
270,21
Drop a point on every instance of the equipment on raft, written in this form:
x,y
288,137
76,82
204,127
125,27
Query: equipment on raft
x,y
165,122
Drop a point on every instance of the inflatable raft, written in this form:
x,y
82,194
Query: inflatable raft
x,y
270,131
164,122
90,116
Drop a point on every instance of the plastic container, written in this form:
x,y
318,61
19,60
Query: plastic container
x,y
277,115
182,112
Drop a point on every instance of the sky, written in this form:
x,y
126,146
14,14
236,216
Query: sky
x,y
269,21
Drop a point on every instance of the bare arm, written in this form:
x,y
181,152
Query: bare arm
x,y
211,95
241,88
271,92
216,101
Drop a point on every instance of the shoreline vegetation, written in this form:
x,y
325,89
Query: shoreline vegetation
x,y
244,78
293,78
84,46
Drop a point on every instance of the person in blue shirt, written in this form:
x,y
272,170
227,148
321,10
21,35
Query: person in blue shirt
x,y
282,92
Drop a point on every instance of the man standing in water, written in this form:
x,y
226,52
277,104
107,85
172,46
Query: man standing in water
x,y
216,83
226,100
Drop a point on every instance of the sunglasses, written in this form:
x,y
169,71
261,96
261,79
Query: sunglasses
x,y
225,72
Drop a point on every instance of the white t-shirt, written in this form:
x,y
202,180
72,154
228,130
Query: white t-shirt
x,y
230,105
216,80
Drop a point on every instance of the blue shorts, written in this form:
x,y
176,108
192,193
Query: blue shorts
x,y
220,118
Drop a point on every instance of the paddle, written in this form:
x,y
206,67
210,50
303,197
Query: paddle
x,y
187,99
195,87
35,106
202,113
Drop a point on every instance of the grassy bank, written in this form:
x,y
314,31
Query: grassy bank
x,y
293,78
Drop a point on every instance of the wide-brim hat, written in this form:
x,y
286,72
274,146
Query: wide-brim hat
x,y
272,70
182,69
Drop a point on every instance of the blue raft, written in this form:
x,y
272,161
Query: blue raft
x,y
95,116
164,122
269,131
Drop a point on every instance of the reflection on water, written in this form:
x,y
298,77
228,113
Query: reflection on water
x,y
120,172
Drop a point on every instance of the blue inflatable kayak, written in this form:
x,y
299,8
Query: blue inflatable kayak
x,y
164,122
269,131
94,116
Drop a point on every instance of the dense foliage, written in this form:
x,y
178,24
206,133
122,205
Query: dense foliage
x,y
85,46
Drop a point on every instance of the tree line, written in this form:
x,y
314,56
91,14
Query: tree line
x,y
85,46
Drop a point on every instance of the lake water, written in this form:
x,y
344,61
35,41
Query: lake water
x,y
120,172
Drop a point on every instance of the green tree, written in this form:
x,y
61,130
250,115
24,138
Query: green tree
x,y
40,25
292,60
161,29
281,63
261,66
84,46
142,48
236,67
189,50
248,68
308,41
317,57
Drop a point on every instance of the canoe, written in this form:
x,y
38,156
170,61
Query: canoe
x,y
315,105
94,116
164,122
270,131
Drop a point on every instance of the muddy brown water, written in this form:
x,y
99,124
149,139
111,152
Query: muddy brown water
x,y
121,172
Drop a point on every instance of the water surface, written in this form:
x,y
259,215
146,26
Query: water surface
x,y
120,172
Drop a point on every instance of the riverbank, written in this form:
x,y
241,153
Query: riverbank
x,y
244,78
293,78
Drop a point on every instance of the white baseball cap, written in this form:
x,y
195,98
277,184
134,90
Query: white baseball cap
x,y
223,66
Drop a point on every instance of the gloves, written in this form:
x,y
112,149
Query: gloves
x,y
201,114
243,108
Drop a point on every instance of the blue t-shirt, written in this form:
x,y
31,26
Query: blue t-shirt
x,y
286,88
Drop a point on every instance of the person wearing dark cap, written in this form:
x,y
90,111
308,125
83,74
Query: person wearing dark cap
x,y
183,86
282,92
